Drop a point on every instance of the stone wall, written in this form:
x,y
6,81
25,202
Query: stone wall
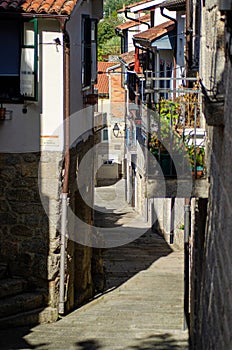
x,y
30,187
168,220
85,266
28,241
212,273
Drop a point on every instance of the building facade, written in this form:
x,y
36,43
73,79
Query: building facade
x,y
212,278
47,77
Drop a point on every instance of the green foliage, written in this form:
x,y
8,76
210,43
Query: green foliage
x,y
112,46
106,29
168,109
100,53
108,42
166,117
199,152
111,6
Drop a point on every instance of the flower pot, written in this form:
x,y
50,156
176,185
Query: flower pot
x,y
2,113
199,172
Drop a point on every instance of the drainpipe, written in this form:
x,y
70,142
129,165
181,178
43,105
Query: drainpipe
x,y
137,63
175,46
136,20
188,38
64,195
187,231
117,32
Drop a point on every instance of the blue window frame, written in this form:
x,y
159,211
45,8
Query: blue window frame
x,y
18,60
89,51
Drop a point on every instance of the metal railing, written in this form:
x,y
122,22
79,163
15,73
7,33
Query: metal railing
x,y
174,125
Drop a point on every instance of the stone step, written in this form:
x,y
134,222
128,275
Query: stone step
x,y
30,318
20,303
12,286
21,319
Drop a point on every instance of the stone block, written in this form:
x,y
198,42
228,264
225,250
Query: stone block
x,y
26,182
27,208
54,245
20,195
3,187
7,219
31,157
53,288
21,230
22,264
49,171
49,314
40,266
50,189
35,245
32,220
30,170
8,173
9,249
53,266
12,159
4,207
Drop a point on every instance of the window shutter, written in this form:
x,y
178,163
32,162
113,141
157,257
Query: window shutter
x,y
89,51
28,66
94,51
86,52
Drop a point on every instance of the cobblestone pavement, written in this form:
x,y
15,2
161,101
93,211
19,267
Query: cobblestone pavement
x,y
141,309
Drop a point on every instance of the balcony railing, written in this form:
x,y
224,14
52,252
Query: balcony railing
x,y
175,136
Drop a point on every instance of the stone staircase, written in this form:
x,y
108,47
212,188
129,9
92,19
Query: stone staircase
x,y
20,303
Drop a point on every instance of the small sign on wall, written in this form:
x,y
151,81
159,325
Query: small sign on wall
x,y
50,140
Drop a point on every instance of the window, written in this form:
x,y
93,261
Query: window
x,y
165,72
28,68
89,51
18,60
105,134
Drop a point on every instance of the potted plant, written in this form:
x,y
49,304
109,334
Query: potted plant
x,y
197,160
2,112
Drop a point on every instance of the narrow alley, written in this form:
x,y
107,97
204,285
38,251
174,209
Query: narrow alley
x,y
141,308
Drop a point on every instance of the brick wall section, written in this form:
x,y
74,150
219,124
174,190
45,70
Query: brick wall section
x,y
117,93
214,282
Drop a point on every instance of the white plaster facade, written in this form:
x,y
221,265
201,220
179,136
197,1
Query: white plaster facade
x,y
42,124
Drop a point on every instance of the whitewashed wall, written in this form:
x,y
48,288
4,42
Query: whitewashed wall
x,y
22,132
52,91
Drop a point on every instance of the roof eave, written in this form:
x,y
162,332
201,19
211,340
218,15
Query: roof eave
x,y
33,15
174,8
142,42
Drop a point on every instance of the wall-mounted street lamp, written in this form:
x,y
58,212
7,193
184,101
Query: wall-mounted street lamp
x,y
116,130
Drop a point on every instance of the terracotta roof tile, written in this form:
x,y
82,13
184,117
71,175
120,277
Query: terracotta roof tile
x,y
130,24
155,32
128,57
132,5
56,7
174,5
102,79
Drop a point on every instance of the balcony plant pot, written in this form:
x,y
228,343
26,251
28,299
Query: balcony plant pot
x,y
199,172
2,113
